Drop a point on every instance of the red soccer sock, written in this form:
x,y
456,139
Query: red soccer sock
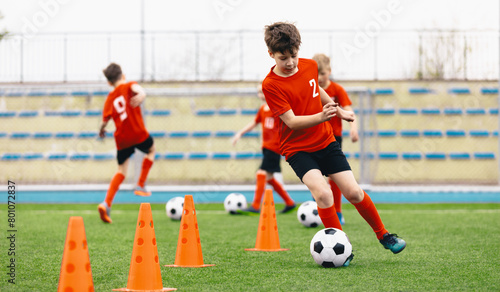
x,y
337,196
329,217
259,190
146,166
369,212
113,187
278,187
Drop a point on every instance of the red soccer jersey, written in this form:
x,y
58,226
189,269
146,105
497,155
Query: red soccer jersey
x,y
299,93
130,129
270,130
339,95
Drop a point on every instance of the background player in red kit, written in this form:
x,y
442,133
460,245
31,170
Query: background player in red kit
x,y
292,92
123,106
271,158
339,96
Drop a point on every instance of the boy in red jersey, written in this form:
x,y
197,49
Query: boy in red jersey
x,y
339,96
307,142
123,106
271,157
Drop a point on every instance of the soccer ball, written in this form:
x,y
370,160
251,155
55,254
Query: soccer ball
x,y
307,214
235,202
174,208
330,248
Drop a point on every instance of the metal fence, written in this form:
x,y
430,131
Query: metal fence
x,y
242,55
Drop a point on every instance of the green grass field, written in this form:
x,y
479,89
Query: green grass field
x,y
450,247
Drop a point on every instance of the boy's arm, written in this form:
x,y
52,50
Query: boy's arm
x,y
303,122
354,126
241,132
343,114
137,99
102,130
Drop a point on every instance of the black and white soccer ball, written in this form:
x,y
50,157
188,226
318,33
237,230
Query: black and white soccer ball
x,y
307,214
330,248
174,208
235,202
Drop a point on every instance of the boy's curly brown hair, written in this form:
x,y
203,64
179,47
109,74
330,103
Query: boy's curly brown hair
x,y
282,37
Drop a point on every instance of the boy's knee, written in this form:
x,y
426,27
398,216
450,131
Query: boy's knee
x,y
354,195
324,197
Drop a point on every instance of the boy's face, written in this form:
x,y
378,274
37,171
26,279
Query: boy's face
x,y
286,64
323,77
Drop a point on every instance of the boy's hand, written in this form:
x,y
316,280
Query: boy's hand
x,y
136,100
102,133
345,115
235,139
329,111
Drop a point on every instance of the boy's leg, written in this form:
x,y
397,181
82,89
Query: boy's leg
x,y
105,207
322,193
147,162
337,200
260,186
278,187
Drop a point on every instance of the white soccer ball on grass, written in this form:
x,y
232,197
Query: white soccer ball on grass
x,y
330,248
235,202
307,214
174,208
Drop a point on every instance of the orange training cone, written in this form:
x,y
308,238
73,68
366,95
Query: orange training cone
x,y
76,274
144,273
267,235
189,253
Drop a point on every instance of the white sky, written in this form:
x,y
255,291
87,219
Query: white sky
x,y
125,15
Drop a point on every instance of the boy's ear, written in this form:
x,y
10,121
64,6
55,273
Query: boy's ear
x,y
110,84
271,54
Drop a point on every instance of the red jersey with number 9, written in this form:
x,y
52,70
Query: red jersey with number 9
x,y
299,93
130,129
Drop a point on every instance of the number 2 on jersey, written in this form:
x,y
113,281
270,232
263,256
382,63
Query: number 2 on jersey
x,y
120,106
312,82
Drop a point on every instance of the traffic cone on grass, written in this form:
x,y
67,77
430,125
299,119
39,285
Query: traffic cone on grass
x,y
75,274
189,253
267,234
144,273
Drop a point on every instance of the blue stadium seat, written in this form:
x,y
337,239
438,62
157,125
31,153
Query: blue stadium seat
x,y
80,93
369,155
244,155
110,134
227,112
42,135
386,111
100,93
384,91
459,155
494,133
3,134
7,114
479,133
388,155
221,155
455,133
347,155
345,133
224,134
71,113
160,113
20,135
246,111
489,90
174,155
64,135
201,134
11,156
453,111
387,133
408,111
430,111
411,155
369,133
484,155
409,133
15,94
158,134
493,111
87,134
93,113
419,90
252,134
27,114
157,156
433,133
205,112
52,113
103,156
57,156
258,155
178,134
33,156
80,156
197,155
37,93
475,111
58,93
435,156
459,90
